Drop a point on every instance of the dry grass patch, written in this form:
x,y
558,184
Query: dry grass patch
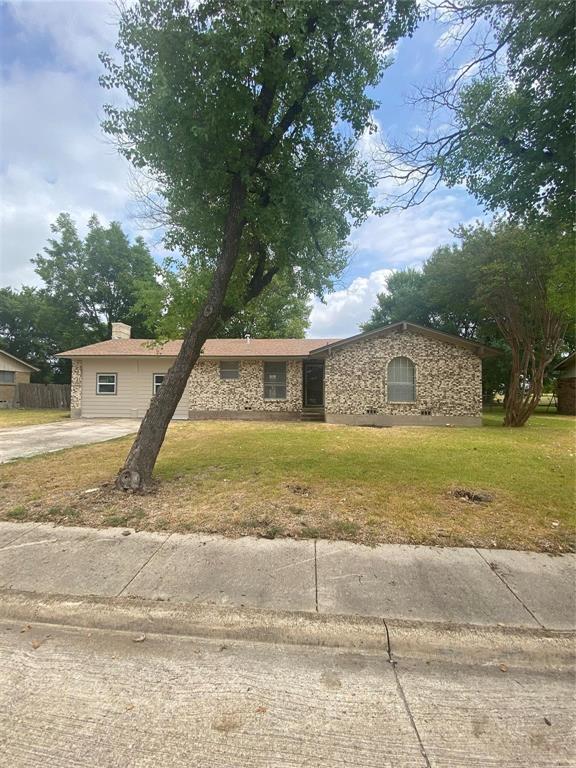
x,y
25,417
320,480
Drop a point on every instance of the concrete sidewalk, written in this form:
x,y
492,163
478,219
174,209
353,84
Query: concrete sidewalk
x,y
487,588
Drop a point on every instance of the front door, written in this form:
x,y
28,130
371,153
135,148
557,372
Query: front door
x,y
313,386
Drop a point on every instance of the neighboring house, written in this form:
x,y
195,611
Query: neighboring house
x,y
400,374
566,385
13,371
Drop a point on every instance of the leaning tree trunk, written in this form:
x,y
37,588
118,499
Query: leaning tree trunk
x,y
137,471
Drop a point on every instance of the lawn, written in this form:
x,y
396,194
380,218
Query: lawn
x,y
24,417
320,480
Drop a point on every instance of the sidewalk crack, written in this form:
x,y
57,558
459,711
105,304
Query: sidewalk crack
x,y
402,695
19,536
509,588
139,571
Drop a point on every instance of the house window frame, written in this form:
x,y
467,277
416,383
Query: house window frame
x,y
155,385
389,399
235,370
9,380
267,383
107,383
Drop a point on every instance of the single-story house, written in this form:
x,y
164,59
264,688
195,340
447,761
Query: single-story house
x,y
566,385
13,371
399,374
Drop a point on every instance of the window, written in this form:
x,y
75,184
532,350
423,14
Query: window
x,y
401,381
105,383
157,379
7,377
229,369
274,381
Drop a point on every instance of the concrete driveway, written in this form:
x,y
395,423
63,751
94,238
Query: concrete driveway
x,y
18,442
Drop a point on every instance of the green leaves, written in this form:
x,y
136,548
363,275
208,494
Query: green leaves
x,y
264,91
101,277
506,129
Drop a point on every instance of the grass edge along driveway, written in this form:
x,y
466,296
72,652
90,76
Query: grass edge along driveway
x,y
25,417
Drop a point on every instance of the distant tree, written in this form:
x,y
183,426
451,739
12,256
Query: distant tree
x,y
101,278
404,299
35,328
88,284
508,286
237,109
280,312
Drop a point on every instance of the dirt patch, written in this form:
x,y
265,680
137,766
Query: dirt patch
x,y
479,497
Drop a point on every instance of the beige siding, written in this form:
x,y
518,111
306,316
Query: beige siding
x,y
7,364
133,391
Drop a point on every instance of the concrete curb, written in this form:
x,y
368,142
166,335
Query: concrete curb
x,y
401,640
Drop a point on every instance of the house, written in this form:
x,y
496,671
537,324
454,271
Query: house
x,y
566,385
399,374
13,371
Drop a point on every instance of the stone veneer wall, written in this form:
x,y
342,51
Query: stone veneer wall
x,y
208,392
448,377
76,388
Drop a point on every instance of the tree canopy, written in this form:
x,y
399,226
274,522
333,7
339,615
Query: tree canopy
x,y
503,123
254,89
101,277
89,283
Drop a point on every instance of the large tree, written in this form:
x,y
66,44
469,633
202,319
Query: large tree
x,y
246,114
502,121
101,276
525,281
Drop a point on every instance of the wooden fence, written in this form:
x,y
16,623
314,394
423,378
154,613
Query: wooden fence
x,y
43,395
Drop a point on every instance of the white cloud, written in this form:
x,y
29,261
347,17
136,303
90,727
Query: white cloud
x,y
54,155
347,308
397,240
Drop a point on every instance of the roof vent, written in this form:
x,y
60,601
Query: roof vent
x,y
121,331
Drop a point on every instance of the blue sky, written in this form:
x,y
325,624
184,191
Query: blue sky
x,y
55,158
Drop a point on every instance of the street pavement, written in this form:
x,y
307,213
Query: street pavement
x,y
92,698
156,650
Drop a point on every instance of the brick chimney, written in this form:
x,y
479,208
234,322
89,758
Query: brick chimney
x,y
121,331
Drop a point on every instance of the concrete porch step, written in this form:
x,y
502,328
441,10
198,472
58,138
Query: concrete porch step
x,y
313,413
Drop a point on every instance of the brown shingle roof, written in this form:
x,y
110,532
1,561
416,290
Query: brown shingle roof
x,y
212,348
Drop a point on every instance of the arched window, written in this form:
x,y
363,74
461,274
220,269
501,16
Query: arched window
x,y
401,380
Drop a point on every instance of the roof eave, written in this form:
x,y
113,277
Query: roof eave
x,y
482,350
18,360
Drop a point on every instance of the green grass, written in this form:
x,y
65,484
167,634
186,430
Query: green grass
x,y
24,417
320,480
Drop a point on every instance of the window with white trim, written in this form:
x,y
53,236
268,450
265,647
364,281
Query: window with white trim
x,y
274,381
7,377
229,369
401,380
157,380
106,383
